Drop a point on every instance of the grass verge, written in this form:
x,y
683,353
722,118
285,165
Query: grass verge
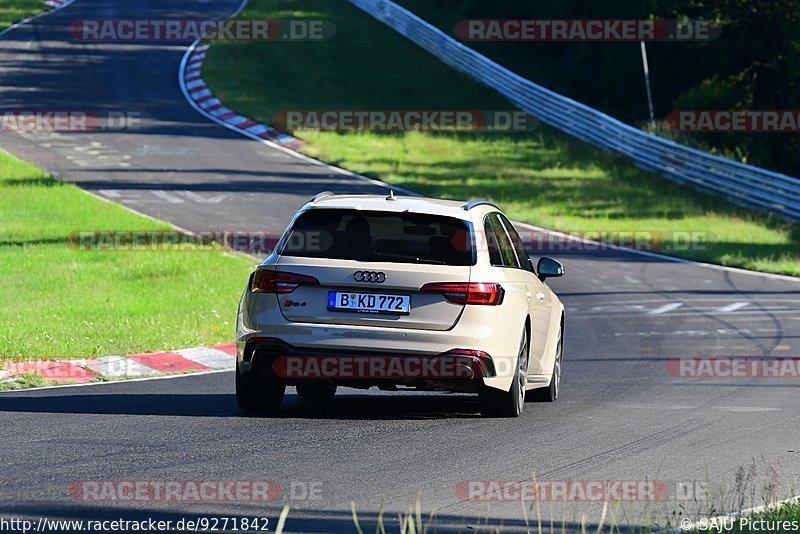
x,y
23,382
12,11
61,302
541,177
783,518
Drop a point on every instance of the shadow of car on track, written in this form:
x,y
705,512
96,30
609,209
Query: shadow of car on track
x,y
346,407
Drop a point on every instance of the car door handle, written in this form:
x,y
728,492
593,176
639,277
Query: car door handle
x,y
540,296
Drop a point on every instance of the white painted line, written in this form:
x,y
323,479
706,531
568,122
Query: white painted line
x,y
208,357
200,199
169,197
196,83
666,308
118,366
110,193
746,409
731,307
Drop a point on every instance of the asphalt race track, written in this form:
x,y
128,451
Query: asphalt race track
x,y
622,414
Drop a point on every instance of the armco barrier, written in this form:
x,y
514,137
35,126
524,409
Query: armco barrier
x,y
742,184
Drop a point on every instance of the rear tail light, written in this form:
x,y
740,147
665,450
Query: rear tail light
x,y
279,281
480,293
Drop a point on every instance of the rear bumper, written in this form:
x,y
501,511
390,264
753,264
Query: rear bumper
x,y
480,328
458,370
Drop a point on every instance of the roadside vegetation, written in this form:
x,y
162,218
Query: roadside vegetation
x,y
752,65
778,519
540,177
783,518
62,302
12,11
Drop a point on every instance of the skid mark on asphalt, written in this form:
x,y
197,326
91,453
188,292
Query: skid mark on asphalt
x,y
623,452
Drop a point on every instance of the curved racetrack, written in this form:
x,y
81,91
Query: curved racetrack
x,y
622,415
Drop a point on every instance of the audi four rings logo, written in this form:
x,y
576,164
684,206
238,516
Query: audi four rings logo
x,y
369,276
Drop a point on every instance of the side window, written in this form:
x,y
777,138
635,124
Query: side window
x,y
519,246
497,238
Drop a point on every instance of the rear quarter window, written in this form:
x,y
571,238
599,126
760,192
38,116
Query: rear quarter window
x,y
501,250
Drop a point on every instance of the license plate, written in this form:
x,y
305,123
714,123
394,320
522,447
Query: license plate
x,y
369,303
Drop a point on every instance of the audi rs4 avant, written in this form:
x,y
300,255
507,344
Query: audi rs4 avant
x,y
400,292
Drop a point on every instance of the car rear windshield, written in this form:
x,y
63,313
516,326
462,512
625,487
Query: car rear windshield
x,y
380,236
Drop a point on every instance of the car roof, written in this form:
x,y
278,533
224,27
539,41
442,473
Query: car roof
x,y
399,204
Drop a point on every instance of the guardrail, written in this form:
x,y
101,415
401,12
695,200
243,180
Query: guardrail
x,y
741,184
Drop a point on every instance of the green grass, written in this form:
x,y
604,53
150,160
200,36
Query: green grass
x,y
60,302
22,382
786,512
12,11
775,519
542,178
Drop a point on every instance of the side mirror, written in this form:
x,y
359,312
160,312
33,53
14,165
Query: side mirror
x,y
549,268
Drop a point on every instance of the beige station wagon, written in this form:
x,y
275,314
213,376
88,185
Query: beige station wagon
x,y
400,293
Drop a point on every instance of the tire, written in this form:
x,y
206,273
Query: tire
x,y
257,393
550,393
316,391
496,403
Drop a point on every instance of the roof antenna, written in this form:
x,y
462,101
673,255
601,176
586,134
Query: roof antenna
x,y
391,196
